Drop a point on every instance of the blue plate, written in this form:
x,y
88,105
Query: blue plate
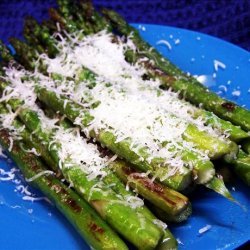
x,y
38,225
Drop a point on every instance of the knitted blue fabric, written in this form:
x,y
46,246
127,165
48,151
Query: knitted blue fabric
x,y
226,19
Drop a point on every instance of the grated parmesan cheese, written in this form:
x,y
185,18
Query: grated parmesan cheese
x,y
218,64
164,42
7,175
45,172
177,41
205,229
160,224
236,93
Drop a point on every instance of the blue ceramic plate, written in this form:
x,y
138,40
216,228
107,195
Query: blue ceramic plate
x,y
38,225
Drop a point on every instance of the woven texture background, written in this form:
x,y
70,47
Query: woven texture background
x,y
226,19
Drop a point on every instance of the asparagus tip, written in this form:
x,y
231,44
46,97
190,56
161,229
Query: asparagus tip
x,y
217,184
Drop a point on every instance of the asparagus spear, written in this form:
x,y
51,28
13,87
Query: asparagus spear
x,y
156,193
174,78
235,133
39,36
75,110
174,203
163,216
90,226
31,37
91,16
217,185
168,240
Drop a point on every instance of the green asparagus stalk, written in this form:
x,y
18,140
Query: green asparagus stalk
x,y
29,55
174,78
71,115
235,132
32,39
51,99
50,25
168,239
39,36
218,185
91,16
156,193
203,177
176,204
178,182
191,134
86,221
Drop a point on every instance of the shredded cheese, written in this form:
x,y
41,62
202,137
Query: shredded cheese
x,y
164,42
218,64
205,229
45,172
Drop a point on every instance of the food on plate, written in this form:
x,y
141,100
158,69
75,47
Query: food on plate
x,y
85,102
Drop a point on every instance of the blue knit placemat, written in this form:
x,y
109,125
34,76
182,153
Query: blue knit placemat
x,y
226,19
